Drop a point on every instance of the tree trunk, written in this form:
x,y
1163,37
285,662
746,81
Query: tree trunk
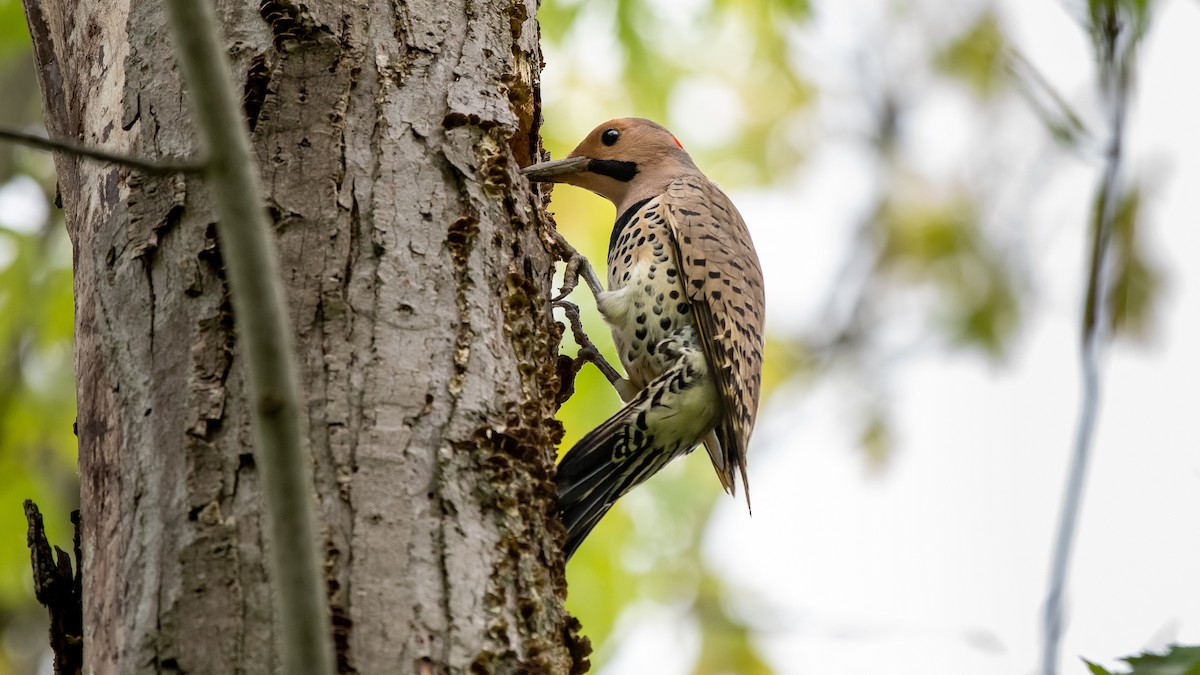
x,y
388,136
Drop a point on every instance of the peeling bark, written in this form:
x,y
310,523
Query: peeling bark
x,y
59,589
388,135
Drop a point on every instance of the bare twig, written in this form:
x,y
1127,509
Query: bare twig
x,y
1055,112
1116,39
262,326
73,148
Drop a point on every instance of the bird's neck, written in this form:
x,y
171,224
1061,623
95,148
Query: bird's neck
x,y
623,219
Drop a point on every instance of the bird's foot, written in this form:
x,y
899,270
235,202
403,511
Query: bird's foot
x,y
577,265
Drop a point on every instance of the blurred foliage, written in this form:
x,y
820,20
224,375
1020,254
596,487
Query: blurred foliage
x,y
1108,18
977,56
1136,283
14,35
928,242
37,411
941,246
736,59
37,393
1178,660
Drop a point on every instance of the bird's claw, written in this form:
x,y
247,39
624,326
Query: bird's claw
x,y
577,265
570,276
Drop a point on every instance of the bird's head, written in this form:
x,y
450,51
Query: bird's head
x,y
623,160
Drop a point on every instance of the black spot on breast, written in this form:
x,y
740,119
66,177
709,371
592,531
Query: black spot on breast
x,y
627,219
665,322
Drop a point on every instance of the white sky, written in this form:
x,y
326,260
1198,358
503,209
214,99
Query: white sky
x,y
938,565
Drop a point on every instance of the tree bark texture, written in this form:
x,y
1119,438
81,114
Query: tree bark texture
x,y
388,134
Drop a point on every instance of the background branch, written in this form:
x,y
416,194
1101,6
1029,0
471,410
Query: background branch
x,y
73,148
1115,33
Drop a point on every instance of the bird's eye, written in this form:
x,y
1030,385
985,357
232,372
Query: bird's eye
x,y
610,136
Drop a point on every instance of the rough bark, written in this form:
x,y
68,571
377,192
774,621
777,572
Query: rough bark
x,y
388,134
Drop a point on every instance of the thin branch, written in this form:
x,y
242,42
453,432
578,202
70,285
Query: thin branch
x,y
1116,57
262,326
1055,112
73,148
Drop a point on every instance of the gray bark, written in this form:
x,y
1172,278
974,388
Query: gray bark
x,y
388,136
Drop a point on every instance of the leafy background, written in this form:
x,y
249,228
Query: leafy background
x,y
918,176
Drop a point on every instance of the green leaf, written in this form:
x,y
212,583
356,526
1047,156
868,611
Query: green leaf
x,y
1177,660
1136,284
876,438
977,57
939,244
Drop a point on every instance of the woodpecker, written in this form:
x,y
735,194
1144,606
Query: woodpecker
x,y
685,304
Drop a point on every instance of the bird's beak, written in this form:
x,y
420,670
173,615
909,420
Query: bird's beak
x,y
556,171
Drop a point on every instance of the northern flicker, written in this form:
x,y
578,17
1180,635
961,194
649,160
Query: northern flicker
x,y
685,304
